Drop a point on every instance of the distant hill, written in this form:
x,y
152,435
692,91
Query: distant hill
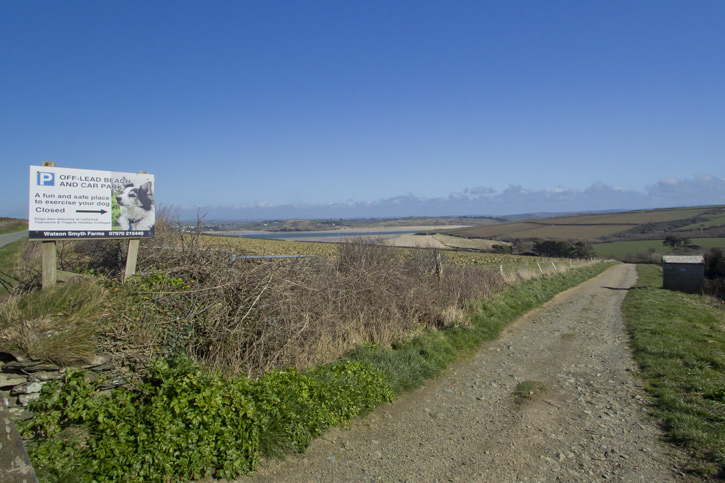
x,y
535,216
701,222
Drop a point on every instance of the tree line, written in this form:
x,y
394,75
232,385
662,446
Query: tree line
x,y
548,248
679,243
563,249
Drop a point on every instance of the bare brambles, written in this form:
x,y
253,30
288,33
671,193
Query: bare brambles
x,y
255,315
202,297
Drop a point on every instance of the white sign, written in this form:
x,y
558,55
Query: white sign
x,y
68,203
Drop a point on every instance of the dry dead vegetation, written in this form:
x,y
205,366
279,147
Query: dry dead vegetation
x,y
243,315
56,326
253,315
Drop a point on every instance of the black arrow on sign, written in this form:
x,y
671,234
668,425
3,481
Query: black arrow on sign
x,y
101,211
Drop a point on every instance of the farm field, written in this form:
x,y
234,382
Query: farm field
x,y
258,246
623,249
540,229
716,219
634,217
590,227
467,243
268,247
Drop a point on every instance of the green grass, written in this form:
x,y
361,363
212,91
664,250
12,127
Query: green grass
x,y
628,248
9,255
679,343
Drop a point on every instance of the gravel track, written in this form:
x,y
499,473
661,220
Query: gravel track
x,y
590,424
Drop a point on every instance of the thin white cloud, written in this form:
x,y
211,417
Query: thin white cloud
x,y
704,188
700,190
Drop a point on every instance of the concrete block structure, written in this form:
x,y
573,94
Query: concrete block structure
x,y
683,273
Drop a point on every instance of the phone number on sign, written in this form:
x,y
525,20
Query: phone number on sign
x,y
126,233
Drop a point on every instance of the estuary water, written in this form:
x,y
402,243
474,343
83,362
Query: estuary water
x,y
331,235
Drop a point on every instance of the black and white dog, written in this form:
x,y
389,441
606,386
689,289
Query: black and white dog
x,y
137,207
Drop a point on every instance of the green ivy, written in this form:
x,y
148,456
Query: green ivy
x,y
298,407
158,281
183,423
352,388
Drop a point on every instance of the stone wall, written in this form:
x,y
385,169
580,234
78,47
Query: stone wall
x,y
21,380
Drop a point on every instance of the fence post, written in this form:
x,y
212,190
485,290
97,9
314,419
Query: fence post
x,y
439,265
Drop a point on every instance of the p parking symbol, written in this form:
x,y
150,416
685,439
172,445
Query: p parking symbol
x,y
46,179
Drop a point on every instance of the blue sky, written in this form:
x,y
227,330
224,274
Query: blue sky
x,y
291,109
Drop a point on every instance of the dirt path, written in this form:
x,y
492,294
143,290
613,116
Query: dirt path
x,y
589,425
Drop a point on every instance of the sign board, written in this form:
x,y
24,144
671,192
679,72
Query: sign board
x,y
68,203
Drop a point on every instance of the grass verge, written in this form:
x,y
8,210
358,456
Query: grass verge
x,y
9,256
679,343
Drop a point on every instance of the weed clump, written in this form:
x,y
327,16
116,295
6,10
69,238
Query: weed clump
x,y
528,390
57,325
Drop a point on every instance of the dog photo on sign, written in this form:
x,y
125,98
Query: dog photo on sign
x,y
136,205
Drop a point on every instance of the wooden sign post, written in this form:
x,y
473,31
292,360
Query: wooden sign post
x,y
49,275
132,254
131,258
